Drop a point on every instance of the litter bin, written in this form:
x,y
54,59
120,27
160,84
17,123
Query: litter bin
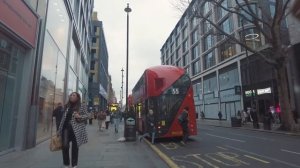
x,y
130,128
235,122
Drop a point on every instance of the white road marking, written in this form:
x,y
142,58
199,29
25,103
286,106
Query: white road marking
x,y
284,150
208,129
266,157
251,157
266,139
226,138
221,148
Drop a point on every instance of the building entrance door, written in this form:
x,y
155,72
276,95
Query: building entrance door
x,y
3,111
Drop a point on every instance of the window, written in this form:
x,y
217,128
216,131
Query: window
x,y
221,11
184,46
178,63
210,83
178,28
95,29
93,54
252,38
206,7
249,17
94,40
228,79
209,60
206,25
226,26
177,53
227,50
184,33
194,22
185,60
177,41
172,48
195,37
195,52
91,77
208,42
167,53
92,65
196,67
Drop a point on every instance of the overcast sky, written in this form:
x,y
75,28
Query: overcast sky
x,y
151,22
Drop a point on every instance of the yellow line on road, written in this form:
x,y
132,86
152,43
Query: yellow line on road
x,y
254,158
163,156
221,147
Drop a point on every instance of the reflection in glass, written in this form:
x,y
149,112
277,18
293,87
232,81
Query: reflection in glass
x,y
47,87
51,86
58,24
72,81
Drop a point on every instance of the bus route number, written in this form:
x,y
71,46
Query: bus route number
x,y
175,91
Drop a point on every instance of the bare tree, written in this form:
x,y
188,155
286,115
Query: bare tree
x,y
270,27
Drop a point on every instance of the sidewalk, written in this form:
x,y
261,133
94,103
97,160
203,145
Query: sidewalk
x,y
102,151
247,126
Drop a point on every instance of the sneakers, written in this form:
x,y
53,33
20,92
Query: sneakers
x,y
182,142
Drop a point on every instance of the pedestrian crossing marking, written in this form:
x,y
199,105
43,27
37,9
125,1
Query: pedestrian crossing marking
x,y
254,158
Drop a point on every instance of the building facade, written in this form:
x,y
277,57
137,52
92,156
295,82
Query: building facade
x,y
45,55
98,77
225,76
65,58
19,29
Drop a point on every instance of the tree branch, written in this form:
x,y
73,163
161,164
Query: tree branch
x,y
268,60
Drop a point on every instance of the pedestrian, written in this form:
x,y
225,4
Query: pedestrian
x,y
239,115
268,118
220,115
107,119
244,117
202,115
150,127
184,121
101,117
72,129
57,114
117,116
254,118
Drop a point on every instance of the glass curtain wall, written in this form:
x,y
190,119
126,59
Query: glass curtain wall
x,y
52,79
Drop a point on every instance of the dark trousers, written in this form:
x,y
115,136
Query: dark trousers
x,y
185,131
67,137
106,124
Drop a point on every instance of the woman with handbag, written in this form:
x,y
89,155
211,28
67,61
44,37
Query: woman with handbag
x,y
72,129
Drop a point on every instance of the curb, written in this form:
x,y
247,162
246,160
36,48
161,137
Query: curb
x,y
163,156
257,130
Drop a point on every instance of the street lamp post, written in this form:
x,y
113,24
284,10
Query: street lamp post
x,y
121,97
130,130
127,10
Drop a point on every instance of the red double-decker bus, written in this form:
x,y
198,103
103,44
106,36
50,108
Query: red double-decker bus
x,y
166,90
